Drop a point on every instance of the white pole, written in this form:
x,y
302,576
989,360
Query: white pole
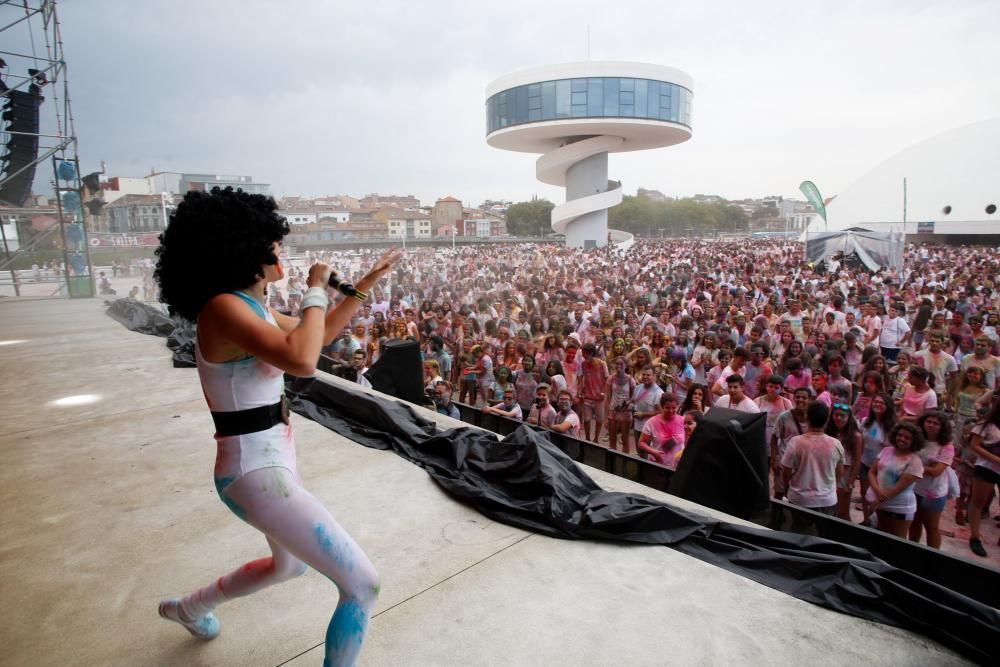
x,y
904,204
805,235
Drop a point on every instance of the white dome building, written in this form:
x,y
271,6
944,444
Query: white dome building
x,y
952,190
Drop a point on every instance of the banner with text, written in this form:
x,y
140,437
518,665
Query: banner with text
x,y
125,240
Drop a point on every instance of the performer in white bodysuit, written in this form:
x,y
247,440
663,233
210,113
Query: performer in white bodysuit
x,y
216,258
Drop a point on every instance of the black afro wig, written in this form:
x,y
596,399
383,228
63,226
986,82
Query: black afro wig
x,y
215,243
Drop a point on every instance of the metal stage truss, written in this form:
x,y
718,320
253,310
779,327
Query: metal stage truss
x,y
38,127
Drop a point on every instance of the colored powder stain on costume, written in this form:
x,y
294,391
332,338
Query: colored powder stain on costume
x,y
255,569
233,507
220,487
346,556
221,483
347,627
341,555
208,625
377,589
281,486
324,539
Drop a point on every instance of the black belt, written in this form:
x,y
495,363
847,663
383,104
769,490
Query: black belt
x,y
241,422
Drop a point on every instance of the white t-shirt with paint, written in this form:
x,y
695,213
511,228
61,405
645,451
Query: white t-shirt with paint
x,y
746,405
813,459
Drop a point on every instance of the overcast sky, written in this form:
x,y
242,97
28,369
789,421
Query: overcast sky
x,y
359,97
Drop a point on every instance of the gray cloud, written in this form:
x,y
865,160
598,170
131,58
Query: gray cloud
x,y
322,97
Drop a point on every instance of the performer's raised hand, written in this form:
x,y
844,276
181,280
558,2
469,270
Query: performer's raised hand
x,y
380,268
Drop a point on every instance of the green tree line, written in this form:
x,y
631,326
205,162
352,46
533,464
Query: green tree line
x,y
640,216
530,218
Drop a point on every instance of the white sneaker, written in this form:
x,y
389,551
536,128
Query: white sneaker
x,y
206,627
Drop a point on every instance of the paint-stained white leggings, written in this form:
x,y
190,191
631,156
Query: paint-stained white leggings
x,y
301,532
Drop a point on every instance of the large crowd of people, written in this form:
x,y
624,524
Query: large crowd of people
x,y
882,381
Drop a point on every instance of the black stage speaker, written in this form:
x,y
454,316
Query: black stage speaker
x,y
20,112
92,182
399,371
725,463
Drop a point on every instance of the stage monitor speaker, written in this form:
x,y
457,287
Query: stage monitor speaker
x,y
724,465
21,113
399,371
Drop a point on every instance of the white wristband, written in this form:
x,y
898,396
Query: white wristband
x,y
316,297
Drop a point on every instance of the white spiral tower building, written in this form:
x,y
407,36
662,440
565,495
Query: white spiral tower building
x,y
575,114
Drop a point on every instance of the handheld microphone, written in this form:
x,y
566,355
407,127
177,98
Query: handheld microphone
x,y
347,289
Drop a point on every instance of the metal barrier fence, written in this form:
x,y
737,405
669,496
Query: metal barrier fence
x,y
958,574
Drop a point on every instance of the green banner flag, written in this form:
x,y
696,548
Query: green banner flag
x,y
813,196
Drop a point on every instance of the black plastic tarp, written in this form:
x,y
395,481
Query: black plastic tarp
x,y
725,464
525,481
143,318
181,342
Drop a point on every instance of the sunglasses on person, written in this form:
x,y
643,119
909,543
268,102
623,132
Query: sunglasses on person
x,y
842,406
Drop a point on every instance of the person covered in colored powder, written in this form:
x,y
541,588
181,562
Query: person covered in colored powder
x,y
243,350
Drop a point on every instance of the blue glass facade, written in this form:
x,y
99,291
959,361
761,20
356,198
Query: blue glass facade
x,y
604,97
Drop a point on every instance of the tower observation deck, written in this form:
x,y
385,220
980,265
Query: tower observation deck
x,y
575,114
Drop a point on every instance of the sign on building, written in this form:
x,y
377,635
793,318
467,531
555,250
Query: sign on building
x,y
124,240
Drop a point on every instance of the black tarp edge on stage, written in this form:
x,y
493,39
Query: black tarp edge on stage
x,y
141,317
526,481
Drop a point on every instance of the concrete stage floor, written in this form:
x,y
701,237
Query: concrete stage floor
x,y
109,506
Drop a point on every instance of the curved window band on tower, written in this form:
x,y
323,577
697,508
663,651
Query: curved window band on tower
x,y
604,97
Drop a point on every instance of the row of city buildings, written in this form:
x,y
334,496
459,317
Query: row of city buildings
x,y
139,208
144,204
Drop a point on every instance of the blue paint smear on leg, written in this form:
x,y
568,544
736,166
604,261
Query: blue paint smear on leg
x,y
341,554
324,539
346,633
220,486
348,555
